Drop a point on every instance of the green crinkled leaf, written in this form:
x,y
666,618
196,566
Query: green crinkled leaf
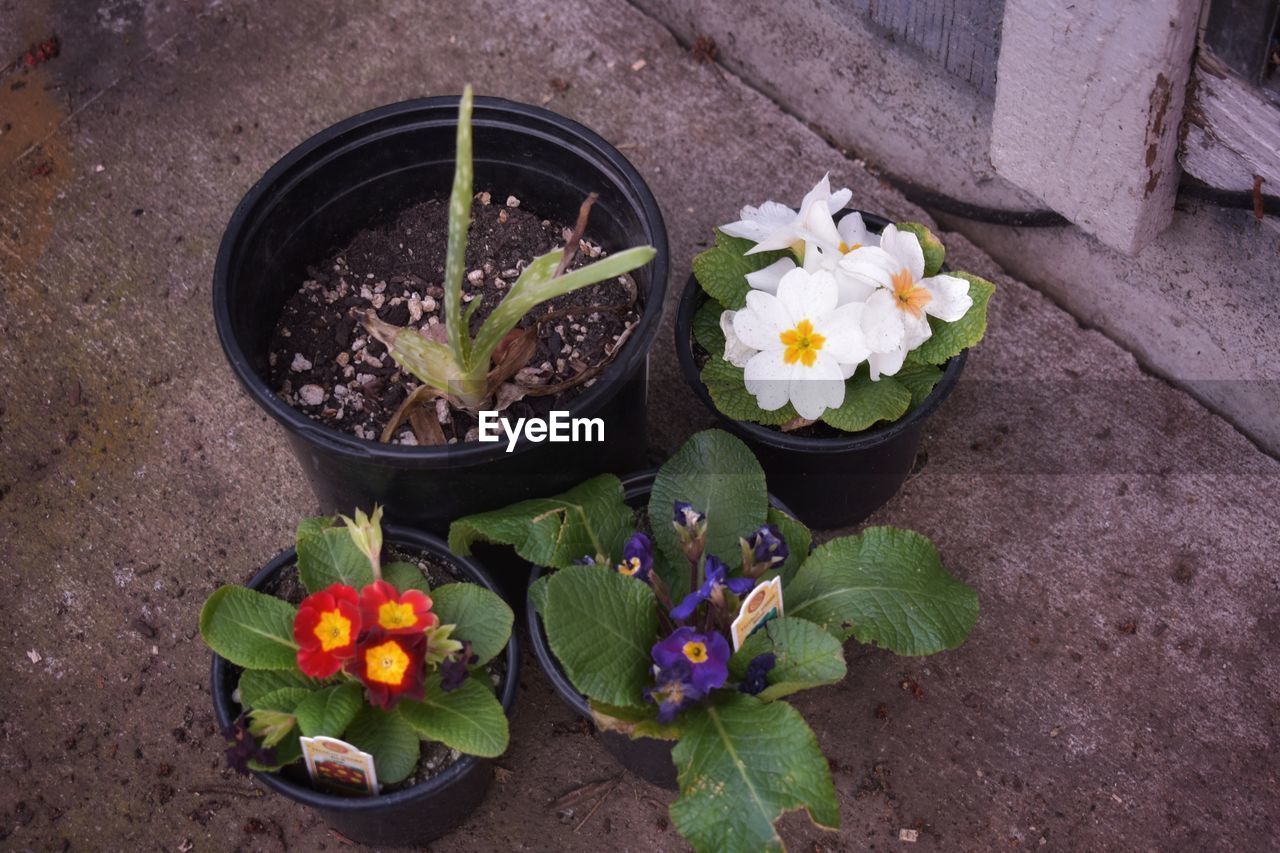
x,y
328,556
480,614
538,594
706,328
728,391
469,719
588,520
393,743
919,379
884,586
867,403
950,339
329,711
284,699
637,722
807,656
722,270
718,474
600,626
742,764
798,538
251,629
404,576
934,253
256,683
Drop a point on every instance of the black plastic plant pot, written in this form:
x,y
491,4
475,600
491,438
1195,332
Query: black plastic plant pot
x,y
361,172
828,482
648,758
414,815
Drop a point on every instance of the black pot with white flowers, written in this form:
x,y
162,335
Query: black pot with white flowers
x,y
824,338
442,332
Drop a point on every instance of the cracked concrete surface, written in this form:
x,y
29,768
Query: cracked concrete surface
x,y
1119,691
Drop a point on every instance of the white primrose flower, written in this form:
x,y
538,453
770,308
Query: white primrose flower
x,y
826,244
807,346
899,298
774,225
735,351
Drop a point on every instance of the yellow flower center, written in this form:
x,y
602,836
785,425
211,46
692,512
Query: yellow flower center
x,y
386,663
845,248
908,295
392,615
333,630
629,567
696,652
802,344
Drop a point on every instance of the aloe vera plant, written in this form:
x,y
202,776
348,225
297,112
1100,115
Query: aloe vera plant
x,y
466,369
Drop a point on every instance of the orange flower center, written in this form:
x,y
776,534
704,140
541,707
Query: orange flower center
x,y
393,614
696,652
333,630
802,344
629,567
845,248
386,663
909,296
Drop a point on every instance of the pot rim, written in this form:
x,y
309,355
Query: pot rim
x,y
633,485
427,543
440,110
693,298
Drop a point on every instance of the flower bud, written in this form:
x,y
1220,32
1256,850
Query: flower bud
x,y
366,532
763,550
691,530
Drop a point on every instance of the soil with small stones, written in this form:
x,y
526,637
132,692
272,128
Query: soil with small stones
x,y
325,364
434,757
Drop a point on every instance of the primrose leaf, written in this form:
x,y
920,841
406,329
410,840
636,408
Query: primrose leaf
x,y
722,270
885,586
806,656
284,699
950,339
393,743
591,519
706,328
257,683
919,379
601,624
866,402
636,721
404,576
934,253
329,711
728,390
249,628
328,556
742,764
480,614
718,474
538,593
469,719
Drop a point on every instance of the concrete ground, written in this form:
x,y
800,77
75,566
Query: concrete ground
x,y
1120,690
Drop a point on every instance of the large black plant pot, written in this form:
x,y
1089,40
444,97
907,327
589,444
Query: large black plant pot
x,y
363,171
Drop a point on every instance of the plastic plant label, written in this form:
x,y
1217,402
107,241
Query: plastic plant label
x,y
338,767
761,605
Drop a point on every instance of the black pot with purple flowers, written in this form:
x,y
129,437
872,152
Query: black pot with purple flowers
x,y
715,608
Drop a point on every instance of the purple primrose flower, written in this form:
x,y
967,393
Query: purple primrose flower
x,y
674,691
707,656
715,581
637,557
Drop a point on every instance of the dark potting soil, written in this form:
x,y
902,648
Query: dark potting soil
x,y
434,757
325,364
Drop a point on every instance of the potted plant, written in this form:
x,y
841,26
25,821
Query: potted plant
x,y
824,338
711,617
405,655
355,242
